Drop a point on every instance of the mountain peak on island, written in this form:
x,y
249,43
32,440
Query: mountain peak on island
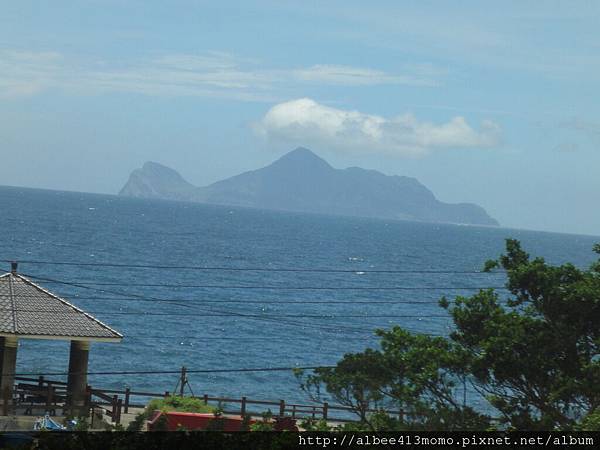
x,y
151,167
302,152
302,181
155,180
302,157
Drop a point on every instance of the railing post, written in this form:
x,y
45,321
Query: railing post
x,y
113,415
325,410
314,411
119,408
127,394
243,407
49,392
88,395
182,381
5,397
41,381
206,399
294,412
281,408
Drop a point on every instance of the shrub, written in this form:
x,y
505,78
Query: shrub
x,y
175,403
265,424
138,422
315,425
591,422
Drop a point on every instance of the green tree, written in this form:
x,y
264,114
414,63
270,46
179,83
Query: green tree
x,y
355,382
426,377
535,357
417,375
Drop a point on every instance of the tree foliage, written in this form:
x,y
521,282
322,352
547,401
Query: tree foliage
x,y
534,357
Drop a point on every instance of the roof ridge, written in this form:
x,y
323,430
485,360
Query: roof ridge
x,y
67,303
12,302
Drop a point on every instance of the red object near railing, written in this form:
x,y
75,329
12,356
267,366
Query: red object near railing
x,y
198,421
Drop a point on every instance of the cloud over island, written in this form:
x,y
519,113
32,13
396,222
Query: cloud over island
x,y
304,121
211,74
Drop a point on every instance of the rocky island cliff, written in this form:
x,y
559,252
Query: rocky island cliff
x,y
302,181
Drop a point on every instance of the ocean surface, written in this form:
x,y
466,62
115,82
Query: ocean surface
x,y
234,319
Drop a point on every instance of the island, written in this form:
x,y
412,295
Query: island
x,y
301,181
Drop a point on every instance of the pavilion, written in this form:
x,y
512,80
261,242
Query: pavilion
x,y
28,311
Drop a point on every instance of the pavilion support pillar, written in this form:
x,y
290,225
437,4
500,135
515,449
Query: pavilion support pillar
x,y
77,379
9,367
1,352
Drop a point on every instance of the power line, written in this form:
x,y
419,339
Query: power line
x,y
278,321
288,322
263,338
169,372
269,302
246,269
85,284
229,338
106,291
277,302
125,297
177,301
232,314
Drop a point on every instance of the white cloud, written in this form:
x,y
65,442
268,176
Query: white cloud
x,y
13,88
208,61
212,74
357,76
305,121
26,73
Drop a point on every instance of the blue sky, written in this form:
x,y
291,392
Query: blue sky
x,y
496,105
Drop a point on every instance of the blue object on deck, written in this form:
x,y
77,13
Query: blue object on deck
x,y
46,423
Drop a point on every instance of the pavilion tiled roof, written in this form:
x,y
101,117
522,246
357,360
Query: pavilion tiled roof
x,y
30,311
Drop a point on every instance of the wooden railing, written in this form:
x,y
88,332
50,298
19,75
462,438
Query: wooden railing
x,y
115,402
122,400
32,392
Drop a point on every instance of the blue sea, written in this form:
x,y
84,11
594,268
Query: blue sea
x,y
227,319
